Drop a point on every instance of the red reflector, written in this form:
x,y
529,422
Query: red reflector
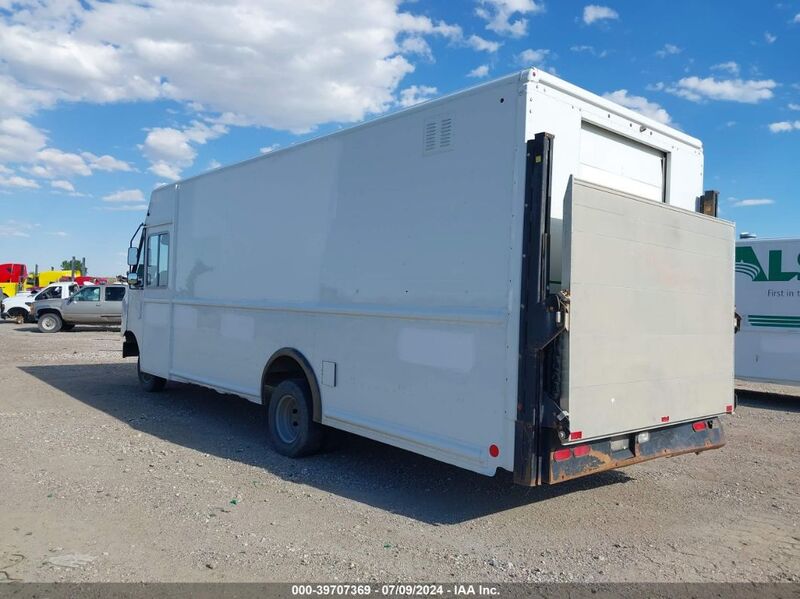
x,y
729,409
560,455
575,436
580,451
494,450
665,419
699,426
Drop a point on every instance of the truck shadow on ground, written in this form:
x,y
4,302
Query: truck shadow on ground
x,y
769,401
229,427
29,328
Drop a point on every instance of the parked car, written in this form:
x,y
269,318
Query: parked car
x,y
18,307
95,305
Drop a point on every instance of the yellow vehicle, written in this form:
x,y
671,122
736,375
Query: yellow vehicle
x,y
47,277
9,289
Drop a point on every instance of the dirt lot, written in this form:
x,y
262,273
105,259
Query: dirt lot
x,y
102,482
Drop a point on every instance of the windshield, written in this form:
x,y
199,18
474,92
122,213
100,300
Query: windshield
x,y
51,292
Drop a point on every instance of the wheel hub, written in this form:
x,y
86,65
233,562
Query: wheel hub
x,y
287,420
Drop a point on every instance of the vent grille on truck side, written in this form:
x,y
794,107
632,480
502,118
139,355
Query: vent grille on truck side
x,y
437,135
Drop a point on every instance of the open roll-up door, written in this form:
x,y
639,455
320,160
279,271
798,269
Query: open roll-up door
x,y
614,161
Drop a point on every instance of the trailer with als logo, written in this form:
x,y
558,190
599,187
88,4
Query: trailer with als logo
x,y
768,302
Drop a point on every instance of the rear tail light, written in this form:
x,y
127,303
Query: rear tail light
x,y
665,419
580,451
560,455
699,426
575,436
729,409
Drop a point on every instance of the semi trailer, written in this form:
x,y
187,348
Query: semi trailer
x,y
521,276
768,303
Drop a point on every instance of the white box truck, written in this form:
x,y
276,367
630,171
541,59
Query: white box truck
x,y
514,276
768,303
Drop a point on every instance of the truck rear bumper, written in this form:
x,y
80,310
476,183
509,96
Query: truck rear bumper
x,y
564,463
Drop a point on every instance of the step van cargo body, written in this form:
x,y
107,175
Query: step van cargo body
x,y
513,276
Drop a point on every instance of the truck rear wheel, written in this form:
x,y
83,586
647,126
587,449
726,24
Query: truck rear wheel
x,y
290,423
50,323
149,382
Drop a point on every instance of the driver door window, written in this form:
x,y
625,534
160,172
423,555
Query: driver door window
x,y
90,294
157,272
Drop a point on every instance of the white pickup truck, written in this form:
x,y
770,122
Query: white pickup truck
x,y
18,307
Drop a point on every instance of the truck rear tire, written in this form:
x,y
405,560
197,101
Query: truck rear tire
x,y
149,382
50,323
291,429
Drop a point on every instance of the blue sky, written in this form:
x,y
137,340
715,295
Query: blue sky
x,y
102,101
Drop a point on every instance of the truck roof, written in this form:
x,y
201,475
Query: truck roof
x,y
529,74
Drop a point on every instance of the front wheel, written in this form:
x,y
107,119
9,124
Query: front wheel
x,y
50,323
149,382
290,423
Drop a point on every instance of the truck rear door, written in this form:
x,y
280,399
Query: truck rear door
x,y
649,331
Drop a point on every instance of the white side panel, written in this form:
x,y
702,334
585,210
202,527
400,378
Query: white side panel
x,y
389,250
650,335
768,300
613,161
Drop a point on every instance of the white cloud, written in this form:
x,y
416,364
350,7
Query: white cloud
x,y
731,90
170,150
212,164
533,57
589,50
793,106
668,49
730,66
476,42
251,59
269,148
416,45
63,185
769,38
479,72
13,228
125,195
501,15
784,126
796,18
19,140
106,163
167,171
751,202
17,181
416,94
640,104
59,234
51,163
593,13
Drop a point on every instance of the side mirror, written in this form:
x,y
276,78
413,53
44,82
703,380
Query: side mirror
x,y
133,256
133,279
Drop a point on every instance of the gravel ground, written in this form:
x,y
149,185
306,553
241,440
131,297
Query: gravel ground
x,y
102,482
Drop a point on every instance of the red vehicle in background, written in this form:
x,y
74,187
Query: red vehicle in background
x,y
13,273
12,276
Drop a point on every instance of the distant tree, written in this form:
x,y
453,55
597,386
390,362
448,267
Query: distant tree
x,y
76,265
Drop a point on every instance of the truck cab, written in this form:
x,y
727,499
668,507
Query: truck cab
x,y
19,307
92,305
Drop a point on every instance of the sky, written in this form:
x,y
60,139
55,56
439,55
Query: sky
x,y
100,102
